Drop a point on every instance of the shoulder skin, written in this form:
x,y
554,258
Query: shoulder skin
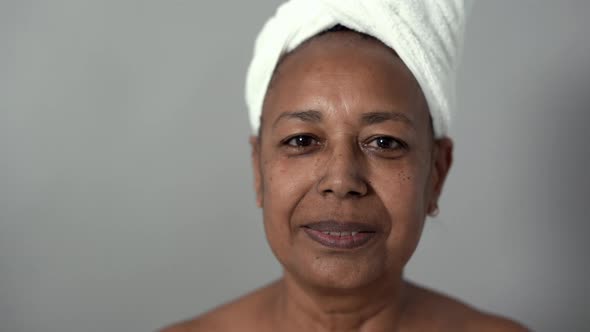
x,y
449,314
242,314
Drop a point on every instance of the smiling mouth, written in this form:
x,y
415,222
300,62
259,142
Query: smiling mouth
x,y
340,235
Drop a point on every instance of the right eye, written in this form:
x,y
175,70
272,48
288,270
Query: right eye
x,y
300,141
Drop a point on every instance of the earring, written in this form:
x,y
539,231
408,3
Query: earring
x,y
434,211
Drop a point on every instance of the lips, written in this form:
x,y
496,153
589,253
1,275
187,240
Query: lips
x,y
340,235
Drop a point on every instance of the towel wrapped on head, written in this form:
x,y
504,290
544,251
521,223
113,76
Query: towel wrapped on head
x,y
426,34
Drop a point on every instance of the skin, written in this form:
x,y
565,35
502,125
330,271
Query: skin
x,y
346,135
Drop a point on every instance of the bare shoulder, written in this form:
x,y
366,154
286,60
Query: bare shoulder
x,y
448,313
243,314
493,323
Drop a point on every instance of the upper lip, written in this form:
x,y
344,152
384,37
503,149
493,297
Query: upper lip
x,y
341,226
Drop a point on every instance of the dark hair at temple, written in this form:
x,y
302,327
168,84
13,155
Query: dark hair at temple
x,y
342,28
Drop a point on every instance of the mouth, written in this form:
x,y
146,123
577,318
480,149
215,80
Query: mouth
x,y
340,235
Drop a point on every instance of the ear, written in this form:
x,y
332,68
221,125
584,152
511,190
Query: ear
x,y
442,159
255,155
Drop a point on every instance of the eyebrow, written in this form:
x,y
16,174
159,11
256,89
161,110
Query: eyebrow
x,y
307,116
379,117
366,119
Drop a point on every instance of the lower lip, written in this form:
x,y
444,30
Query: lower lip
x,y
339,242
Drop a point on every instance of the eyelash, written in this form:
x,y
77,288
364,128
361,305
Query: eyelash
x,y
298,147
399,143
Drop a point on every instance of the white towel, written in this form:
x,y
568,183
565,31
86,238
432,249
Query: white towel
x,y
426,34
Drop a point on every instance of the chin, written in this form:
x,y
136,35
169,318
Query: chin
x,y
337,273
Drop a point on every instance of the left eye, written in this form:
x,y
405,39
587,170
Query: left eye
x,y
385,143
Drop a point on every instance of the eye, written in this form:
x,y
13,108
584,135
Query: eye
x,y
386,147
300,141
385,143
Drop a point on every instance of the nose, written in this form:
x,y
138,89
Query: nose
x,y
343,175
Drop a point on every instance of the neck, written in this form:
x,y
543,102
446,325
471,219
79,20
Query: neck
x,y
376,307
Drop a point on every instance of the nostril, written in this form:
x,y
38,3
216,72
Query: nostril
x,y
350,193
354,193
342,184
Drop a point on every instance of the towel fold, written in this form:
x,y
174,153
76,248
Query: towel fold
x,y
426,34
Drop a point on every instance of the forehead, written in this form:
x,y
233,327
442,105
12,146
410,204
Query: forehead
x,y
344,73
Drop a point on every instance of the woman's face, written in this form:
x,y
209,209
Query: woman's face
x,y
346,167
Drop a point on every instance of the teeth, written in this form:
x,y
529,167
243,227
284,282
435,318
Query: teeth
x,y
340,233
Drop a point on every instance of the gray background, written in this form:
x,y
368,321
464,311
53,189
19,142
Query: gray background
x,y
125,187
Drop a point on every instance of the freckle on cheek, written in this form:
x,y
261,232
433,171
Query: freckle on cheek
x,y
404,177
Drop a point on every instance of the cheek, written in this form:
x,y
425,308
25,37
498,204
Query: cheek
x,y
402,189
402,194
285,183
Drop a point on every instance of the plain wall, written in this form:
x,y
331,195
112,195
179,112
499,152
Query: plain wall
x,y
126,198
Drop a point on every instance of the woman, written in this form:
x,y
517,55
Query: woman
x,y
350,157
